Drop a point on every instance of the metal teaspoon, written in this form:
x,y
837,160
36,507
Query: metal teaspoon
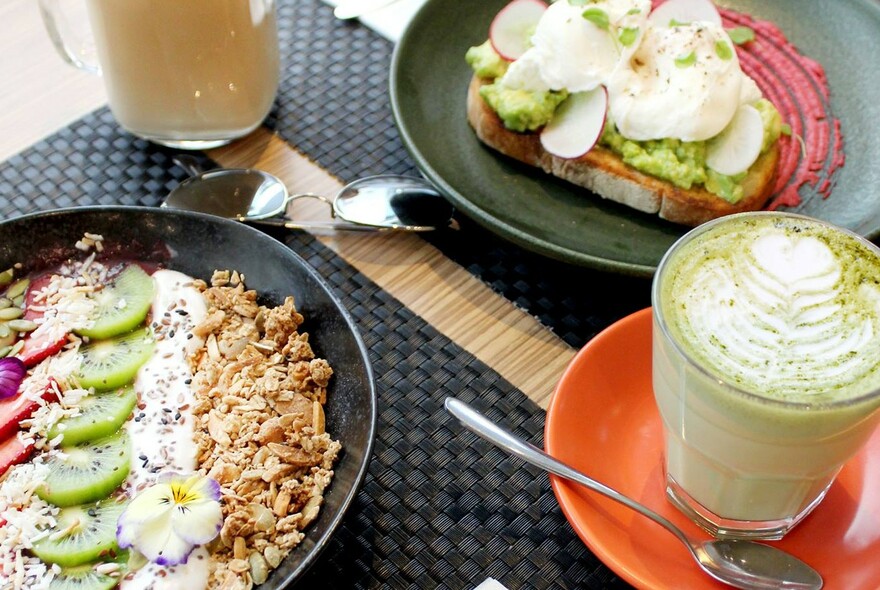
x,y
742,564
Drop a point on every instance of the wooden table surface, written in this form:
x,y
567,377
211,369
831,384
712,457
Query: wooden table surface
x,y
40,94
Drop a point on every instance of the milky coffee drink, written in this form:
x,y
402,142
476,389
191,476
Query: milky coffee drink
x,y
179,71
766,366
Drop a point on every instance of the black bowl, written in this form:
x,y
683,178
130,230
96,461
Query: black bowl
x,y
197,244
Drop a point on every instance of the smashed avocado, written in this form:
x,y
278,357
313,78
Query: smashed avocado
x,y
680,162
522,110
485,62
683,163
772,122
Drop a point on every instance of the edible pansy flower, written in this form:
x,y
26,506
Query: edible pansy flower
x,y
11,375
166,521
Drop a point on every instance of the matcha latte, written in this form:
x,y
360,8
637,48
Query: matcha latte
x,y
766,366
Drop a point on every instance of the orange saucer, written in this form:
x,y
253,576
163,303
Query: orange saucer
x,y
603,421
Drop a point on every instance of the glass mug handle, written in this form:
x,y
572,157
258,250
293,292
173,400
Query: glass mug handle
x,y
70,46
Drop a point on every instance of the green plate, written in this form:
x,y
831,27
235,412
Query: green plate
x,y
429,80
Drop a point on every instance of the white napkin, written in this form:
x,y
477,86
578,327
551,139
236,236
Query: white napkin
x,y
389,21
491,584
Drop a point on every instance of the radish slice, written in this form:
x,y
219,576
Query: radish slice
x,y
577,124
739,145
685,11
512,27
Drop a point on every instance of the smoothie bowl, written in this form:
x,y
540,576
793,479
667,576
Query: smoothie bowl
x,y
766,367
193,407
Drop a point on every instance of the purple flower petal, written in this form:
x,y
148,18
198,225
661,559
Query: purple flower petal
x,y
174,552
175,557
169,476
198,522
11,375
166,521
122,540
209,487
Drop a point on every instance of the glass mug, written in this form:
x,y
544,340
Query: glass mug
x,y
766,367
191,74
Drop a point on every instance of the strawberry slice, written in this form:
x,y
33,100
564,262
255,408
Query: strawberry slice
x,y
12,412
13,452
37,284
37,348
15,409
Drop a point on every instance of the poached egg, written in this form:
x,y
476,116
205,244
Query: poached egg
x,y
574,53
683,82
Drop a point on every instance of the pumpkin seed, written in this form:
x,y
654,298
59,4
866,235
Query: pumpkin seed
x,y
22,325
11,313
259,567
264,520
272,555
17,288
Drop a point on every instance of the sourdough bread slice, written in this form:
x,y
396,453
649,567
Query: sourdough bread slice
x,y
601,171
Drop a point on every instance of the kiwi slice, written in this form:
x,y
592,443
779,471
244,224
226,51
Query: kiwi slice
x,y
100,415
122,305
83,577
87,472
111,363
82,534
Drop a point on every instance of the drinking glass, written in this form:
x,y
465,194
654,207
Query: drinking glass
x,y
190,74
742,460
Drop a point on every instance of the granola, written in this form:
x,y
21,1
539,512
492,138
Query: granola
x,y
260,394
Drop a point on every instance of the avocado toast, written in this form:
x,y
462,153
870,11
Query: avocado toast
x,y
657,135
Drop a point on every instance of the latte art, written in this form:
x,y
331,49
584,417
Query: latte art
x,y
783,314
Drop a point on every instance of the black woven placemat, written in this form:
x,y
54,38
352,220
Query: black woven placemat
x,y
439,509
91,162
